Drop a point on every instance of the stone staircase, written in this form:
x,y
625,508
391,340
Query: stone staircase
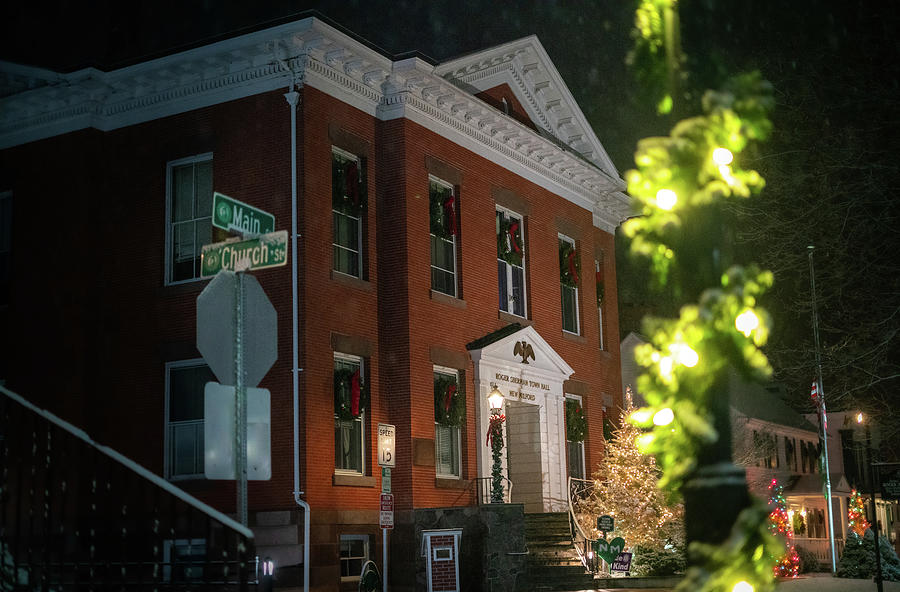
x,y
553,563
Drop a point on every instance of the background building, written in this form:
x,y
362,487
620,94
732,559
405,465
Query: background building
x,y
453,230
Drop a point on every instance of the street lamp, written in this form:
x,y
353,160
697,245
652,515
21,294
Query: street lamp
x,y
878,579
495,438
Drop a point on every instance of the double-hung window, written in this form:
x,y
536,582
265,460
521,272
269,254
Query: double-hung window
x,y
575,436
569,269
510,262
449,414
354,554
601,293
444,228
185,383
350,402
348,204
189,215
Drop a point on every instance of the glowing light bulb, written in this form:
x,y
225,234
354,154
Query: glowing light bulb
x,y
645,441
859,418
663,417
665,366
742,587
684,354
666,199
722,156
746,322
640,416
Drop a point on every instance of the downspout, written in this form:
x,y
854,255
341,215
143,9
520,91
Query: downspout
x,y
293,98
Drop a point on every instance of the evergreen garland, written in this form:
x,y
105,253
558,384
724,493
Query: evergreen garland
x,y
601,290
509,240
569,265
348,198
343,380
449,401
576,422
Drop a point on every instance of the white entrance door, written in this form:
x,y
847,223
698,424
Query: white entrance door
x,y
523,428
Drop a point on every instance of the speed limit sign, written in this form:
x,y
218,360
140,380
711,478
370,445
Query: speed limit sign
x,y
386,436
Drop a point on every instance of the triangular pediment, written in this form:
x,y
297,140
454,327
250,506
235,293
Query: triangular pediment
x,y
525,68
522,348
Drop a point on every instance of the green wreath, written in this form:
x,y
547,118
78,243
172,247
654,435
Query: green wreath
x,y
507,242
576,422
569,274
343,379
449,401
601,292
439,222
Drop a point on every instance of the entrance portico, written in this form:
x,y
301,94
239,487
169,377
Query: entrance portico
x,y
530,374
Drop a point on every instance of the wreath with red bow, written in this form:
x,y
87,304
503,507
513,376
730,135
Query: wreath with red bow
x,y
351,397
443,217
348,186
509,241
449,401
569,265
576,422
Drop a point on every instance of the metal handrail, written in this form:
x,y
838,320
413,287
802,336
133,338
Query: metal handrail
x,y
483,490
580,540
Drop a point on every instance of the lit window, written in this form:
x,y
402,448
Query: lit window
x,y
569,269
185,383
444,228
348,203
350,403
189,207
354,554
510,262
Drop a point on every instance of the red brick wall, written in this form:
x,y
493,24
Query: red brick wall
x,y
443,573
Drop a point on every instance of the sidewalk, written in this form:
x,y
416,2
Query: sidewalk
x,y
824,582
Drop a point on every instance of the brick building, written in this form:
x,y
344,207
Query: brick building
x,y
453,230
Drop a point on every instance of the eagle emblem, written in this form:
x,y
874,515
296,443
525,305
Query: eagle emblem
x,y
524,349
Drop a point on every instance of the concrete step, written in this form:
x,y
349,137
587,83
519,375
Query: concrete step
x,y
282,555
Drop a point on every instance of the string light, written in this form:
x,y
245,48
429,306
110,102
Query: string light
x,y
684,355
663,417
742,587
722,156
666,199
746,322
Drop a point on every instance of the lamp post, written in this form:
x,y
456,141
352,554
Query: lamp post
x,y
878,579
495,437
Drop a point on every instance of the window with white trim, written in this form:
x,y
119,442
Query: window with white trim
x,y
601,296
348,204
189,196
568,266
447,447
185,383
575,449
443,210
510,262
349,414
354,554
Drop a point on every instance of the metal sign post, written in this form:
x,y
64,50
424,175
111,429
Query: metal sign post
x,y
387,459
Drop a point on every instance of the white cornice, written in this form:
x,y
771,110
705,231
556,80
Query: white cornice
x,y
310,52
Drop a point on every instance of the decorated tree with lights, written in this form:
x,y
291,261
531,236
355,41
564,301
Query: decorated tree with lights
x,y
787,565
856,514
626,490
680,186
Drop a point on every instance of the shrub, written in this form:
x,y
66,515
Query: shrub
x,y
654,561
808,561
858,558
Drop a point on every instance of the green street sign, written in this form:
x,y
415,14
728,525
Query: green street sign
x,y
231,214
267,250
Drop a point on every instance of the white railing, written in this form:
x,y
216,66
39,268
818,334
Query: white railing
x,y
819,548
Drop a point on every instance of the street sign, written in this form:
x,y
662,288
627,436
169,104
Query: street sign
x,y
386,519
261,252
386,436
385,479
218,433
605,523
216,328
890,483
231,214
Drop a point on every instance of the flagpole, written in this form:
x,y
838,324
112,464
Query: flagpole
x,y
823,418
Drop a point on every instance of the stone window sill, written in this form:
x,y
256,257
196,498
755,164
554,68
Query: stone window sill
x,y
573,337
349,280
446,299
511,318
451,483
353,480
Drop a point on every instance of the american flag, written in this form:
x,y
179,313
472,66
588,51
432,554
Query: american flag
x,y
819,401
815,391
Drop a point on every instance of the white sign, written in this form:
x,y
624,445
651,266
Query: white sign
x,y
386,519
386,436
218,433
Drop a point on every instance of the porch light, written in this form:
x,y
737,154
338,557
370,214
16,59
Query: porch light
x,y
495,399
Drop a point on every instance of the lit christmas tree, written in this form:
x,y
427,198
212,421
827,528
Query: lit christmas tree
x,y
626,490
788,565
856,514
